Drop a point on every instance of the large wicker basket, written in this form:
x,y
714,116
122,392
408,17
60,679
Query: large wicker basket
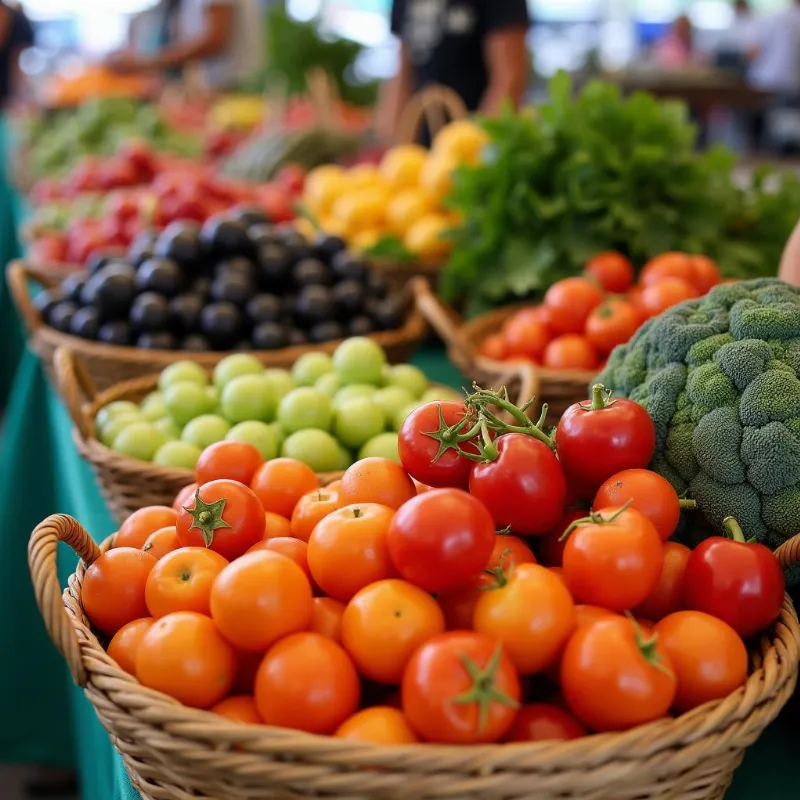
x,y
173,752
128,484
109,364
559,388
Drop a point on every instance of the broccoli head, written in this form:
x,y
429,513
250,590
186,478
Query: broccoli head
x,y
719,377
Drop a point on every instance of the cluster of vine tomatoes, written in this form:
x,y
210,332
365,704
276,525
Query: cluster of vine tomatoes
x,y
453,598
583,318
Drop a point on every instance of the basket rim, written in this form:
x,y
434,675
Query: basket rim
x,y
781,643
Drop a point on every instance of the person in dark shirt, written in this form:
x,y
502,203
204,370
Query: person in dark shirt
x,y
16,34
474,47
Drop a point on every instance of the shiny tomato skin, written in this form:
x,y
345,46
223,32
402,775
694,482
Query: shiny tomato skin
x,y
379,725
437,675
542,722
237,461
595,443
441,540
608,682
523,488
739,583
610,324
613,564
612,270
241,523
135,530
570,301
708,656
418,450
666,597
183,498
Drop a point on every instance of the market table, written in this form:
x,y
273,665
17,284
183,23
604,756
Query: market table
x,y
47,721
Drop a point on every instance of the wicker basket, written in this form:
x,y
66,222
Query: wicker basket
x,y
128,484
110,364
559,388
173,752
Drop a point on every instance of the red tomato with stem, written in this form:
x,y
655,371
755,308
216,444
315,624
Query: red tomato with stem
x,y
441,540
736,581
613,559
542,722
523,487
430,441
224,516
461,688
603,436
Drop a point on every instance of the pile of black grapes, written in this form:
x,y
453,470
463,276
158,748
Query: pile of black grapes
x,y
236,283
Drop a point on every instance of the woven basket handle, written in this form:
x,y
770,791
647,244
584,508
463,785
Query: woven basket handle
x,y
76,387
17,275
529,385
788,554
42,549
444,321
435,105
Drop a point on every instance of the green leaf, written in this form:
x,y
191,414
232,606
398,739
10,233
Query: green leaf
x,y
390,248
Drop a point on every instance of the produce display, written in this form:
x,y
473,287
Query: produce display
x,y
719,377
599,172
93,81
323,412
235,282
582,319
453,598
396,209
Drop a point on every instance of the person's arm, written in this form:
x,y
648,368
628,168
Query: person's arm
x,y
394,97
505,25
790,263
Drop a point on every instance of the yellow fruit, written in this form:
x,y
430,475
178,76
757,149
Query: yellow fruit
x,y
332,226
365,208
437,176
366,239
323,186
306,227
363,176
401,166
425,238
406,207
461,140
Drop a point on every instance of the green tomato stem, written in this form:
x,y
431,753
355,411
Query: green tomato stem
x,y
733,529
594,519
687,505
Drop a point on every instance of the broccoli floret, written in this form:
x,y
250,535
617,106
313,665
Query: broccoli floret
x,y
720,377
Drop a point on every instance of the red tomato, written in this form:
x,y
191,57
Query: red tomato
x,y
494,347
237,461
550,547
441,540
667,265
737,582
610,324
509,551
612,271
524,487
669,292
570,301
458,606
614,559
525,337
184,498
706,274
613,678
540,722
461,688
647,492
434,460
708,656
570,351
666,596
225,516
601,437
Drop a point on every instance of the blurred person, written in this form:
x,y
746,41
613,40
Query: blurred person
x,y
155,28
225,37
475,48
790,263
676,47
16,34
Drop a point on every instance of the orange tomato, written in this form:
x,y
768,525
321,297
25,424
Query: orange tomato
x,y
184,497
570,301
307,682
525,337
708,656
494,347
139,525
185,656
181,581
237,461
706,273
281,482
509,551
347,550
384,624
333,486
310,509
326,618
532,614
277,526
295,549
667,265
611,323
666,596
612,271
123,646
260,598
570,351
540,722
376,480
658,297
238,708
112,593
379,725
559,573
163,541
